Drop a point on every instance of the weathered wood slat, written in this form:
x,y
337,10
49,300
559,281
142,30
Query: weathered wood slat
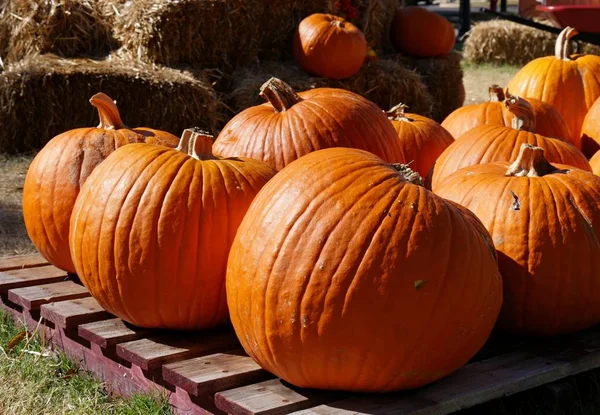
x,y
108,333
18,278
207,375
152,353
22,261
480,382
69,314
271,397
33,297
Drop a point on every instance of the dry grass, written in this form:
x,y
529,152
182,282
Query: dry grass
x,y
65,27
477,79
502,42
52,94
385,82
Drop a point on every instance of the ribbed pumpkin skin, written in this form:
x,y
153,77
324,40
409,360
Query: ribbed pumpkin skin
x,y
590,131
330,282
326,117
329,46
151,231
548,121
548,249
53,181
595,163
419,32
491,143
570,84
422,140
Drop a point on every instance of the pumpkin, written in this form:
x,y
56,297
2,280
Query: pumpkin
x,y
57,172
329,46
570,84
491,143
595,163
494,112
422,140
590,130
152,227
418,32
544,221
291,125
330,282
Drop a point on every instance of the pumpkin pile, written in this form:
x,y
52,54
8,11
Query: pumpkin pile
x,y
307,224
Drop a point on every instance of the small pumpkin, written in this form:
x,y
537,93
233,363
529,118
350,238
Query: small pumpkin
x,y
329,46
291,125
545,223
59,170
590,131
494,112
152,227
418,32
330,282
569,83
422,140
496,143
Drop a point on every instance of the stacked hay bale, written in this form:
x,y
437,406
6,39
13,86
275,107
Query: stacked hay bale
x,y
42,96
502,42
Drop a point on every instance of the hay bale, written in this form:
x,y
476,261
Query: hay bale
x,y
209,33
443,78
45,95
67,28
503,42
376,20
385,82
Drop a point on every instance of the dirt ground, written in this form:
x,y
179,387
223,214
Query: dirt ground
x,y
14,239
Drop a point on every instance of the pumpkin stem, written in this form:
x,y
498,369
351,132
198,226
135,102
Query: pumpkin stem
x,y
196,143
279,94
110,119
496,93
562,48
530,163
524,117
408,174
396,113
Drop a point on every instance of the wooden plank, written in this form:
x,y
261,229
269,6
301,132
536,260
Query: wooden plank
x,y
481,381
152,353
108,333
71,313
22,261
18,278
207,375
271,397
33,297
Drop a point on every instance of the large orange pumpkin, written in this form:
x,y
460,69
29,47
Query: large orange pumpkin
x,y
570,84
495,112
152,228
418,32
329,46
291,125
545,223
590,130
331,282
490,143
595,163
422,140
62,166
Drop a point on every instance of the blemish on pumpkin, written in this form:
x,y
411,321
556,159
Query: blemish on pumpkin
x,y
419,284
413,205
321,266
304,321
516,204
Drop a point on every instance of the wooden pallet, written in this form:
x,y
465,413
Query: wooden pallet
x,y
209,373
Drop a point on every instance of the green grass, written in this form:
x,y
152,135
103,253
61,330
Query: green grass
x,y
35,379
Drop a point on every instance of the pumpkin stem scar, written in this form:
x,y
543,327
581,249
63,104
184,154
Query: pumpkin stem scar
x,y
408,174
496,93
562,48
524,116
110,119
530,163
396,113
279,94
